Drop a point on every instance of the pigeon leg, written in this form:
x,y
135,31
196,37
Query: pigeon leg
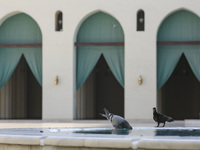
x,y
163,124
158,124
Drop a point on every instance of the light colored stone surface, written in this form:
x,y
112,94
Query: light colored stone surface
x,y
19,147
65,141
53,124
78,148
192,122
108,142
20,139
60,148
170,144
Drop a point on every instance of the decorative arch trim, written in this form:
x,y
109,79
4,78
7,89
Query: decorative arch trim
x,y
176,42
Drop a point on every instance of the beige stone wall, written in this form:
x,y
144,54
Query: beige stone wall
x,y
59,50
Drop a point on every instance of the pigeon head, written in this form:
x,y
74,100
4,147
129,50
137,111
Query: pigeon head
x,y
154,109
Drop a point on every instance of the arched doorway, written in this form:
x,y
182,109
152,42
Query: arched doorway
x,y
178,61
21,68
99,67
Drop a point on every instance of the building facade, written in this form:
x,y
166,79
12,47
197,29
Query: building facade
x,y
68,59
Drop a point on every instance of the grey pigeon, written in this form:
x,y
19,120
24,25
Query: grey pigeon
x,y
161,118
118,122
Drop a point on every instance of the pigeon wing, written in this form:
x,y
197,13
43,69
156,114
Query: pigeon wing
x,y
164,118
120,123
125,125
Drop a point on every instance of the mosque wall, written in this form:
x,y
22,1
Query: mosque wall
x,y
59,52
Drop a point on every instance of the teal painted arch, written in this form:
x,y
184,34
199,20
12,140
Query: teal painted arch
x,y
100,27
20,29
182,25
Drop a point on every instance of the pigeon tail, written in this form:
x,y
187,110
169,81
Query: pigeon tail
x,y
107,113
170,119
103,115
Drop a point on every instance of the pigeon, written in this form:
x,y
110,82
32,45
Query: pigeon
x,y
118,122
161,118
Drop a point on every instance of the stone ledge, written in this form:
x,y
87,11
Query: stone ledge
x,y
124,143
21,140
173,144
69,141
64,141
192,122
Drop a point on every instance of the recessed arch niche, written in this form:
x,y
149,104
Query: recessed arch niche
x,y
178,55
99,67
21,68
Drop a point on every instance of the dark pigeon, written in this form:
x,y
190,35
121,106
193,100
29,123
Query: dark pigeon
x,y
160,118
118,122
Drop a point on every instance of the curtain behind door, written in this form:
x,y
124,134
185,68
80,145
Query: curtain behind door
x,y
20,29
180,26
100,28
